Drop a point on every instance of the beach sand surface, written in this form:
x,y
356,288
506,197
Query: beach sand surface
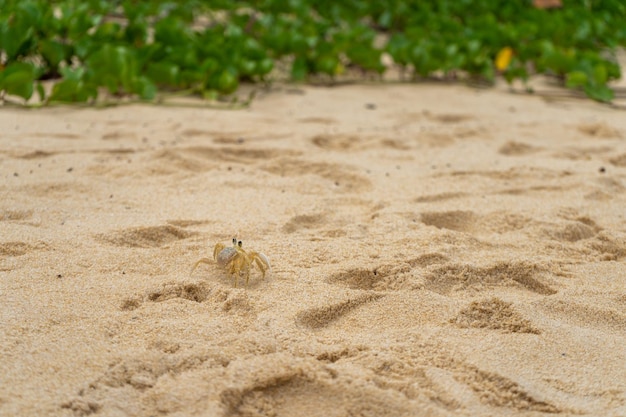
x,y
436,250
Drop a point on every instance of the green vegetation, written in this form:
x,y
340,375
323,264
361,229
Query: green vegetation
x,y
143,48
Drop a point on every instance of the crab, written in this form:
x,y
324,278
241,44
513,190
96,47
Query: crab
x,y
236,260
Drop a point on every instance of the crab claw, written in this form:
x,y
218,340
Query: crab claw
x,y
265,260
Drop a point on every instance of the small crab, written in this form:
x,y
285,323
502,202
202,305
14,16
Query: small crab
x,y
237,260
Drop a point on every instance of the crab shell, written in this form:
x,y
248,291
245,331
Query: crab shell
x,y
226,255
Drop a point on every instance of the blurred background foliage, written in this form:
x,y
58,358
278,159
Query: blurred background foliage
x,y
131,48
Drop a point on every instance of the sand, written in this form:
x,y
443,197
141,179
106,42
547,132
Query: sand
x,y
436,250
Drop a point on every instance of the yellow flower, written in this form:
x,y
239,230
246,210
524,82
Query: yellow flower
x,y
503,59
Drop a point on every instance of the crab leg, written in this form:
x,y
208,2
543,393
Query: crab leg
x,y
201,261
261,261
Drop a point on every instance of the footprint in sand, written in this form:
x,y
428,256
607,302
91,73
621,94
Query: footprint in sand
x,y
119,135
493,314
599,130
582,314
388,277
342,176
579,153
205,158
15,215
70,190
448,118
11,249
434,198
619,160
319,317
443,375
18,248
57,135
607,247
37,154
145,237
457,220
134,378
382,278
463,277
192,291
572,231
279,383
518,149
303,221
349,143
224,299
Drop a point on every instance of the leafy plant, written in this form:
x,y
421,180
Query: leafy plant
x,y
127,48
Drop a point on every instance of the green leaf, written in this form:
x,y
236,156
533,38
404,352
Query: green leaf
x,y
53,52
516,72
327,65
265,66
69,73
227,82
136,34
15,38
600,93
19,84
18,79
576,79
600,74
84,47
109,31
72,91
145,88
210,66
114,67
560,62
41,92
252,49
385,19
299,69
170,31
163,73
247,67
398,48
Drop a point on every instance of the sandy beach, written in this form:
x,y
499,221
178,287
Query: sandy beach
x,y
436,250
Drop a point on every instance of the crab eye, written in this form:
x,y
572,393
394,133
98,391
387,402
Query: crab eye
x,y
240,244
234,241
